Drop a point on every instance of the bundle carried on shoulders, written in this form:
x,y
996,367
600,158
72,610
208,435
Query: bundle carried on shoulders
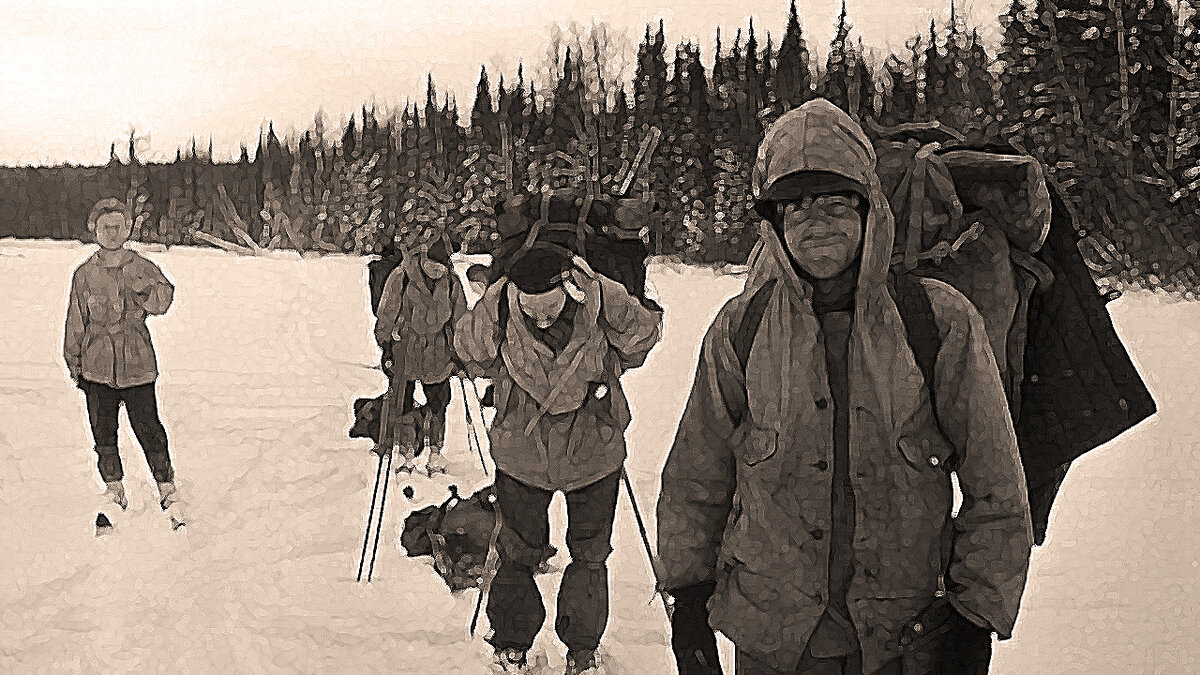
x,y
541,232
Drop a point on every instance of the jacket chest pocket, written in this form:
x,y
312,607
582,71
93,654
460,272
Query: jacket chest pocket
x,y
104,308
927,453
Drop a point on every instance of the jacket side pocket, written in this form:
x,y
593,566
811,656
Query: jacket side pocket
x,y
757,445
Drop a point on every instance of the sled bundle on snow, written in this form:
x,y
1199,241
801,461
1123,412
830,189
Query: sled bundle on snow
x,y
458,534
985,220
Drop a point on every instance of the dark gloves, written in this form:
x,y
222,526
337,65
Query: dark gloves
x,y
692,639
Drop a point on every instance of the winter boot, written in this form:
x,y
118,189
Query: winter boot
x,y
580,661
408,462
115,491
511,661
168,500
436,462
167,494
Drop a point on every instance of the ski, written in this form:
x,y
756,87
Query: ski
x,y
103,525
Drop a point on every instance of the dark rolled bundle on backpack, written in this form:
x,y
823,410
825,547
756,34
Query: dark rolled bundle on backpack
x,y
536,263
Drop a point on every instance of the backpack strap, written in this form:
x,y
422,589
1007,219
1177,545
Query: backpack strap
x,y
916,312
911,300
743,341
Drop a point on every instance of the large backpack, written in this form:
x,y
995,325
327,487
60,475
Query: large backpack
x,y
458,534
567,223
985,220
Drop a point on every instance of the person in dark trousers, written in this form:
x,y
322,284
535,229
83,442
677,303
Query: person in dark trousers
x,y
554,336
421,299
806,504
109,354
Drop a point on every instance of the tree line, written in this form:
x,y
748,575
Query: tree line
x,y
1105,93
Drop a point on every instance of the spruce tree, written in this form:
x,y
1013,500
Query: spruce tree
x,y
793,72
483,116
835,86
750,76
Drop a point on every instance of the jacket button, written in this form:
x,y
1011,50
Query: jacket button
x,y
822,403
934,461
1033,379
818,534
918,628
822,465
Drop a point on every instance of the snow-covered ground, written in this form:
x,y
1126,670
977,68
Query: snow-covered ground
x,y
261,358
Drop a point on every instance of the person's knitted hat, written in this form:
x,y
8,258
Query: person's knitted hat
x,y
104,206
479,273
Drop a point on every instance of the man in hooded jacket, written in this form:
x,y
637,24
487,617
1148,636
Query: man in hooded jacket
x,y
806,505
555,337
421,300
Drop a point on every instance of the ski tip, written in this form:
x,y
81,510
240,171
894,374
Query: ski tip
x,y
103,525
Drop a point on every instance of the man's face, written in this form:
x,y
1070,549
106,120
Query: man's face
x,y
432,268
112,230
823,232
543,308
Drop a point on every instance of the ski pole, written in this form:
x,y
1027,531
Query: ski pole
x,y
490,565
385,437
385,431
471,423
387,476
362,559
637,514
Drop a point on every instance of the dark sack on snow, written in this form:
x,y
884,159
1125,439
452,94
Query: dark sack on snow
x,y
458,535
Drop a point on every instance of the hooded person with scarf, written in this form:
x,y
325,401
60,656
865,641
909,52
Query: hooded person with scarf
x,y
555,337
421,300
806,504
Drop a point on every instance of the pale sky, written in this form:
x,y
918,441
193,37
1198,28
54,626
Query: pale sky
x,y
76,76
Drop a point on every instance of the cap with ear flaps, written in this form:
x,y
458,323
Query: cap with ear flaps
x,y
538,270
806,184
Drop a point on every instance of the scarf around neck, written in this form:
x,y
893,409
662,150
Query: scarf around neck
x,y
424,311
535,367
